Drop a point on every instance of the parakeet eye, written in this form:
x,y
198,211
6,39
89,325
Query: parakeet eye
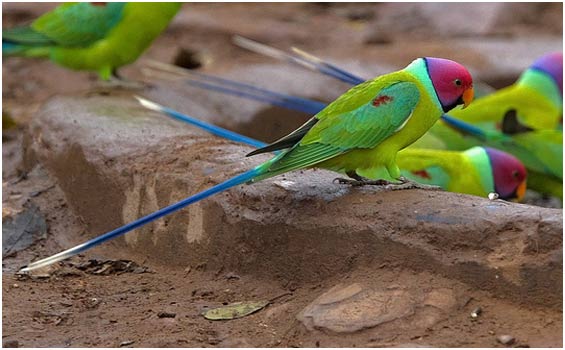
x,y
457,82
515,174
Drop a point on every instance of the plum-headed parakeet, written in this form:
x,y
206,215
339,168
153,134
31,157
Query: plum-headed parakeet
x,y
98,36
358,134
477,171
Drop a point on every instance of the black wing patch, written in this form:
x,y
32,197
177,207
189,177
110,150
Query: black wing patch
x,y
511,125
287,141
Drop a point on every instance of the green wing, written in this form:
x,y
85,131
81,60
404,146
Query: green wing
x,y
77,24
361,118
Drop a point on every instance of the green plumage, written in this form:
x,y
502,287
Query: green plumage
x,y
364,128
541,151
84,36
463,172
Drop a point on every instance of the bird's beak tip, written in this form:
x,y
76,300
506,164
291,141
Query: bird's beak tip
x,y
468,96
521,191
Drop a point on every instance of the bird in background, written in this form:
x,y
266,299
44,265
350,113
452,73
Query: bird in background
x,y
357,134
477,171
541,150
533,102
98,36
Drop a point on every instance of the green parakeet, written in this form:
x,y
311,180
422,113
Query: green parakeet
x,y
358,134
477,171
98,37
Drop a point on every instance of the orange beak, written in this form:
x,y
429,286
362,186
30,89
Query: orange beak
x,y
521,191
468,96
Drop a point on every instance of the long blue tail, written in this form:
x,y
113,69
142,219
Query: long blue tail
x,y
258,94
211,128
234,181
301,58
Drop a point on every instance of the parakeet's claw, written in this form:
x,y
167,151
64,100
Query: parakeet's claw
x,y
409,184
122,84
361,182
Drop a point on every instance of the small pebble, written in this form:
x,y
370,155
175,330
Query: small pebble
x,y
127,342
476,312
506,339
493,196
166,315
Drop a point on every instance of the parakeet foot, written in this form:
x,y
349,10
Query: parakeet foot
x,y
356,180
408,184
116,83
361,182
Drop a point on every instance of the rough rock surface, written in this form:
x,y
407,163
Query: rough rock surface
x,y
352,308
116,161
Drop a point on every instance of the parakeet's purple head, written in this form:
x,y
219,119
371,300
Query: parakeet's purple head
x,y
509,174
552,65
452,82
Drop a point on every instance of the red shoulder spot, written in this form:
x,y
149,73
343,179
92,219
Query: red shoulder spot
x,y
380,100
422,173
99,3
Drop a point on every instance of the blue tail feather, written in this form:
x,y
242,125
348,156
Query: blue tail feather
x,y
338,73
234,181
463,127
9,48
299,57
258,94
213,129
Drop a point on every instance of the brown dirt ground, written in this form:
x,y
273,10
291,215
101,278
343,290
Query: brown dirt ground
x,y
78,309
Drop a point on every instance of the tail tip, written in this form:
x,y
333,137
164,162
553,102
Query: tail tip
x,y
147,104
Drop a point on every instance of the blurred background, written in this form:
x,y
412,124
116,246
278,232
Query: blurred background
x,y
495,40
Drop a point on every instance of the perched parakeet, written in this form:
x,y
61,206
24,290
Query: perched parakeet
x,y
357,134
477,171
100,36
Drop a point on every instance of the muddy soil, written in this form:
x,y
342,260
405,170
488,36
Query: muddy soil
x,y
139,302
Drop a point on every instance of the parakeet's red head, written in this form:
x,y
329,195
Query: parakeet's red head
x,y
552,65
509,174
452,82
